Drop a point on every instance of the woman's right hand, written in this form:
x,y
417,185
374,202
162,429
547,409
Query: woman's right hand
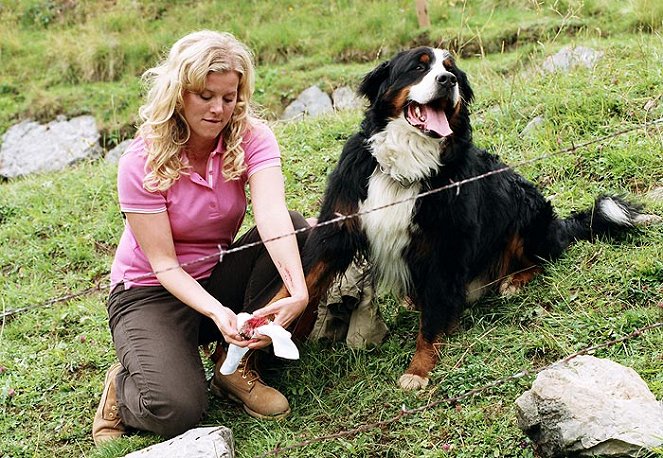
x,y
226,321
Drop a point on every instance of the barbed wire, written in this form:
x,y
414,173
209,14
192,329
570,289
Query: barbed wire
x,y
64,298
340,218
453,400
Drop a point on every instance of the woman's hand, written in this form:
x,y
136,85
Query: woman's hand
x,y
285,310
226,320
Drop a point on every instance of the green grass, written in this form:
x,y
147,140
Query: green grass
x,y
58,231
76,44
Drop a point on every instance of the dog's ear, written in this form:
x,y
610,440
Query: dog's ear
x,y
371,85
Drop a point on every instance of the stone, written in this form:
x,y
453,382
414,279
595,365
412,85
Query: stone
x,y
311,102
570,57
590,406
656,194
213,441
29,147
533,126
113,156
344,98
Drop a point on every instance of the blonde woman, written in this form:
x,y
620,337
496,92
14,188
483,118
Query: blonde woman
x,y
181,186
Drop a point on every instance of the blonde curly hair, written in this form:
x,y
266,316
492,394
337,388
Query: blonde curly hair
x,y
186,67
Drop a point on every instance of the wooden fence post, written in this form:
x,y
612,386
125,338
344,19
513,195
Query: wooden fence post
x,y
422,13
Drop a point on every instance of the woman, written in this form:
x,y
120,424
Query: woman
x,y
181,185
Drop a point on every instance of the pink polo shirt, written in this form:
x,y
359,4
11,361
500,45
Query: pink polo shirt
x,y
205,213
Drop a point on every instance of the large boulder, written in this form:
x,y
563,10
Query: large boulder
x,y
30,147
312,102
213,441
344,98
571,57
113,156
590,406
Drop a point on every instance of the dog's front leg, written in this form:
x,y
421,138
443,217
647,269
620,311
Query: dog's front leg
x,y
424,360
437,318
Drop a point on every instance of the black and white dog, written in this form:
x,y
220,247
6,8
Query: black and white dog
x,y
438,250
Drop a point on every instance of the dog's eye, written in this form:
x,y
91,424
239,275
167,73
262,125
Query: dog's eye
x,y
420,68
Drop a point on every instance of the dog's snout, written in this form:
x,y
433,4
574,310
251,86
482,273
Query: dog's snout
x,y
446,79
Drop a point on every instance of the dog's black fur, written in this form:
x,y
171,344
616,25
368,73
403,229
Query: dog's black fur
x,y
442,247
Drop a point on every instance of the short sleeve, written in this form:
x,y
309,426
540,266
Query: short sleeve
x,y
133,197
261,150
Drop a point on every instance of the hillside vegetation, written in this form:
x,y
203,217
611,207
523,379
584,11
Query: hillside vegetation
x,y
58,231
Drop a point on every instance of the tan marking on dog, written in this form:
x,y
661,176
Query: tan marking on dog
x,y
424,360
515,268
512,284
512,253
400,100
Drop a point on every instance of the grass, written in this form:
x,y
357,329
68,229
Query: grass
x,y
58,231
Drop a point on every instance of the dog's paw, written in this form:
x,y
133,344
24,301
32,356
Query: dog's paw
x,y
509,287
412,382
645,219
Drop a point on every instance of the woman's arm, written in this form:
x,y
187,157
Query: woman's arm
x,y
273,220
152,231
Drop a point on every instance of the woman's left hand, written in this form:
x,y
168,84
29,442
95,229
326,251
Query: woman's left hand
x,y
285,311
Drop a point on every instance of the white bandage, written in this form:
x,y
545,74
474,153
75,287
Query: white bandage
x,y
284,347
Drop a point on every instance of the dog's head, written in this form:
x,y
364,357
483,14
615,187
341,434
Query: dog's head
x,y
425,87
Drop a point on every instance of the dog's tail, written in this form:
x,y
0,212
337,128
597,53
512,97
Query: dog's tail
x,y
610,216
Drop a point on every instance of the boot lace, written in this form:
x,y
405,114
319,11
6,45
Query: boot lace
x,y
248,374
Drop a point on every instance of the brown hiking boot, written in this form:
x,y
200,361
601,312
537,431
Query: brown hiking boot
x,y
107,424
246,387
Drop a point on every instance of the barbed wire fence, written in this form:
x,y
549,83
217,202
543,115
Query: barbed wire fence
x,y
456,186
404,411
454,400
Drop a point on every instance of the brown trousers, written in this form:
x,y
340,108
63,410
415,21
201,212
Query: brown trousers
x,y
162,386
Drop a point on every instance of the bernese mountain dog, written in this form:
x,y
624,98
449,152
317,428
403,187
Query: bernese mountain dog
x,y
441,251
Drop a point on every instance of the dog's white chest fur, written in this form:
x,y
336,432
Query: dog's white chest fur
x,y
405,156
404,153
388,229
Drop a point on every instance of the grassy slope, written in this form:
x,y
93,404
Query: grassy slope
x,y
58,231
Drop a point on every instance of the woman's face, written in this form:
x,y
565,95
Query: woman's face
x,y
208,112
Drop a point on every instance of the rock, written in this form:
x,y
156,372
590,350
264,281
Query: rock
x,y
216,441
312,102
570,57
656,194
532,126
113,156
30,147
344,98
590,406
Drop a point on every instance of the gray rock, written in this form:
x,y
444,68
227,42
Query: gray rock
x,y
532,126
30,147
590,406
312,102
344,98
114,155
216,441
656,194
570,57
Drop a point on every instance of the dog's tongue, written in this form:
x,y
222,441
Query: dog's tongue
x,y
429,120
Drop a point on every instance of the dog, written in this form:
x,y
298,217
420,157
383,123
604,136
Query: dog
x,y
440,251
